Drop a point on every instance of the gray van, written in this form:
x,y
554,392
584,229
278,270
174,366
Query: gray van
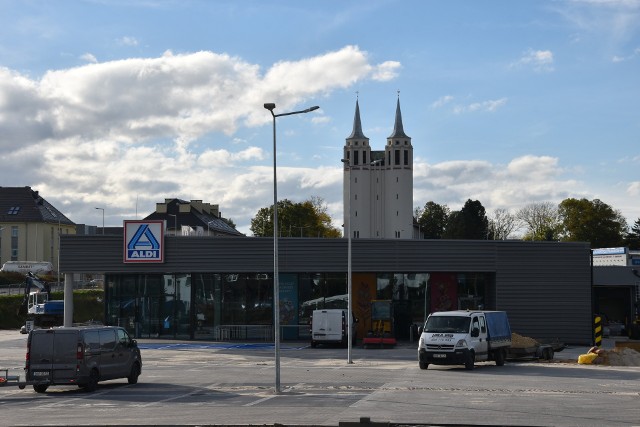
x,y
81,356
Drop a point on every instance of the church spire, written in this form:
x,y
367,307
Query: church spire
x,y
357,126
398,130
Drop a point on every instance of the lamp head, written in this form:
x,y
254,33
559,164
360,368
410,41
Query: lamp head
x,y
270,106
315,107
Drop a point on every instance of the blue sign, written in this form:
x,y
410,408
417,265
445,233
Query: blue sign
x,y
143,241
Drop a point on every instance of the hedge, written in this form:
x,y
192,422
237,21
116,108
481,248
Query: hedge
x,y
88,304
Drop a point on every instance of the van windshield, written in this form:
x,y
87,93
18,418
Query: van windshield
x,y
450,324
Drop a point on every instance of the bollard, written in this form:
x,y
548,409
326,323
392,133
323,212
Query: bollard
x,y
597,331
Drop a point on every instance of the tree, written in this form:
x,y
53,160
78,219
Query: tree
x,y
541,220
468,223
502,224
591,221
305,219
632,238
432,220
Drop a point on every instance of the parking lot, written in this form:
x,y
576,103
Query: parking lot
x,y
197,383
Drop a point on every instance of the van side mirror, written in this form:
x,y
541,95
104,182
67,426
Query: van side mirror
x,y
134,343
475,332
420,330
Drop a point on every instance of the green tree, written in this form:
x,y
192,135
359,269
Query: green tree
x,y
591,221
432,220
305,219
632,238
468,223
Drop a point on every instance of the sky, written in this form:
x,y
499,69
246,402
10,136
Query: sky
x,y
121,104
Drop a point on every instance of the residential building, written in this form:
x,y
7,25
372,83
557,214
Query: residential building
x,y
30,226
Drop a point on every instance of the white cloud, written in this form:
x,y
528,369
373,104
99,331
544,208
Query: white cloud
x,y
635,53
442,101
89,58
539,60
484,106
524,180
127,41
386,71
633,189
121,134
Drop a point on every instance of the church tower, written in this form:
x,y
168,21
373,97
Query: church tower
x,y
378,185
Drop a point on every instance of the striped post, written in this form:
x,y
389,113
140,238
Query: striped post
x,y
597,331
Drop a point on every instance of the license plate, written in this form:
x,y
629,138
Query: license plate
x,y
439,356
41,374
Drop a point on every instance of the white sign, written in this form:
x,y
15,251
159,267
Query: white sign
x,y
144,241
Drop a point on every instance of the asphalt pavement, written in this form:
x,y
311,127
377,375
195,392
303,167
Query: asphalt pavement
x,y
233,383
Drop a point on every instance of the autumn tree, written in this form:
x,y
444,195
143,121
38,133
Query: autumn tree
x,y
468,223
432,220
501,224
541,221
304,219
591,221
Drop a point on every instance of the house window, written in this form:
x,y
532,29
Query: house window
x,y
13,210
364,157
397,157
406,158
355,157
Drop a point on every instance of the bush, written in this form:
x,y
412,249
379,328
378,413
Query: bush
x,y
9,278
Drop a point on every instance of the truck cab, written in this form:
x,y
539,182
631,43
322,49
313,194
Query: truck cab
x,y
463,338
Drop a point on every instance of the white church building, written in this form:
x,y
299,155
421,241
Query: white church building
x,y
378,185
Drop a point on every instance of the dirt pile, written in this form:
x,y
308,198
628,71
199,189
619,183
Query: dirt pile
x,y
621,356
518,341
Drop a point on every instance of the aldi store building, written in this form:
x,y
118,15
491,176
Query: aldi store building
x,y
221,288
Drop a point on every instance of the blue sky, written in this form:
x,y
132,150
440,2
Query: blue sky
x,y
121,104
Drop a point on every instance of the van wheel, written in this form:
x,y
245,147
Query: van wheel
x,y
423,365
40,388
469,361
92,383
500,357
314,344
135,373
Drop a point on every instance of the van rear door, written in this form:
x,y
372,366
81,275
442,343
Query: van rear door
x,y
65,355
40,354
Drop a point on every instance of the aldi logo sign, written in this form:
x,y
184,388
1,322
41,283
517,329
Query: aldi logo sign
x,y
143,241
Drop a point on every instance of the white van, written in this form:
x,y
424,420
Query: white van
x,y
330,327
24,267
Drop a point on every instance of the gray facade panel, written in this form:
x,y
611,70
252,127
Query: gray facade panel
x,y
240,255
546,289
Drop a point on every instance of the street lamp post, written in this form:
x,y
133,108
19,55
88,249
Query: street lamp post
x,y
348,231
102,209
276,281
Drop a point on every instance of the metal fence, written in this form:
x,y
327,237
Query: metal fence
x,y
258,332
